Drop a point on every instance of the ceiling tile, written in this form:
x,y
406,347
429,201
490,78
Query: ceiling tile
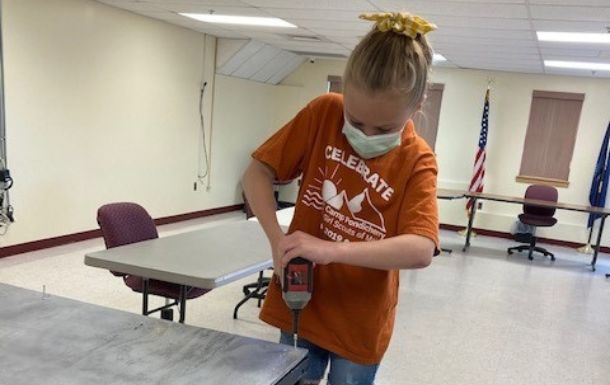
x,y
555,44
284,71
468,9
577,72
358,5
344,40
548,52
355,25
492,56
571,13
570,26
316,14
450,39
198,8
485,34
480,22
308,46
270,36
485,49
489,33
338,33
575,3
278,62
245,53
131,5
225,3
251,66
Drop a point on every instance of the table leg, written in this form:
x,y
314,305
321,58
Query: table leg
x,y
598,244
255,293
182,303
145,296
470,221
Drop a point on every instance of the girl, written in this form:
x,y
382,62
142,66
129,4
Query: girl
x,y
367,204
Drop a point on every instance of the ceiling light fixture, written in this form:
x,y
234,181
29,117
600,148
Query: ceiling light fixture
x,y
578,65
438,58
240,20
575,37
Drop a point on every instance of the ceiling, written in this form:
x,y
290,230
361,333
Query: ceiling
x,y
480,34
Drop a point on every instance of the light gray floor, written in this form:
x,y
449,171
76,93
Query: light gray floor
x,y
480,318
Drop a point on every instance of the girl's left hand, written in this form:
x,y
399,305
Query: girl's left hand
x,y
300,244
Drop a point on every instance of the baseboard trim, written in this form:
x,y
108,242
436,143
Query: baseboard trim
x,y
505,235
92,234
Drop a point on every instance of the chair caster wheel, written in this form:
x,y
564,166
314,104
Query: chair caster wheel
x,y
530,258
510,253
167,314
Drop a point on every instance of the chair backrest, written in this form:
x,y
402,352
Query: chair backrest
x,y
543,193
125,223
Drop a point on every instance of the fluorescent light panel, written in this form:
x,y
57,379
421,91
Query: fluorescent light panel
x,y
578,65
575,37
438,58
240,20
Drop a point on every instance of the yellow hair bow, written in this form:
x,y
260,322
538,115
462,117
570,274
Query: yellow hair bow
x,y
400,22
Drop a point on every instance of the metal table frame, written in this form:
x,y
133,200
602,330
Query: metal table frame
x,y
151,259
604,213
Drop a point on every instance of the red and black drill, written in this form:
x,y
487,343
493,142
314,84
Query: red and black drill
x,y
297,289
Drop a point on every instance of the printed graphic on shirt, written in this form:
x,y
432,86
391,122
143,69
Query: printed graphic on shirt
x,y
348,214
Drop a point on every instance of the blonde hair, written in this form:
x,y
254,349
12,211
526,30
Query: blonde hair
x,y
389,61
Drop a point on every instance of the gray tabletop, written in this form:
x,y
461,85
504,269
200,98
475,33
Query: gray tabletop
x,y
57,341
206,258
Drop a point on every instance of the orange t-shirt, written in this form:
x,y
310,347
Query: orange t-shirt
x,y
343,197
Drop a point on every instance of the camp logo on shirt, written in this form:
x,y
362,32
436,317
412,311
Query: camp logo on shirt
x,y
349,213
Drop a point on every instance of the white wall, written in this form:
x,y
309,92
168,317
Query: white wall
x,y
459,127
102,105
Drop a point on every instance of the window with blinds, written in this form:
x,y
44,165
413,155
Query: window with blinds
x,y
550,138
426,121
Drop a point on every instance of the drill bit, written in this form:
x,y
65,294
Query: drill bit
x,y
295,326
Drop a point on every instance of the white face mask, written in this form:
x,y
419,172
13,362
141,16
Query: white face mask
x,y
369,147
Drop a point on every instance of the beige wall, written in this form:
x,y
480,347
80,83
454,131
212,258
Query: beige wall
x,y
459,127
102,105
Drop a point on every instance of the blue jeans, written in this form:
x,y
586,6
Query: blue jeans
x,y
342,371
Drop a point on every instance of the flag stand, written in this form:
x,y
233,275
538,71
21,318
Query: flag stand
x,y
465,230
587,249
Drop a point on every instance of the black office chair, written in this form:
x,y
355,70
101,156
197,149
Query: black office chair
x,y
537,216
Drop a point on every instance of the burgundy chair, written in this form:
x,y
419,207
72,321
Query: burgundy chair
x,y
537,216
126,223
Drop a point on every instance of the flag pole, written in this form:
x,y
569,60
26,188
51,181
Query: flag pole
x,y
599,188
482,136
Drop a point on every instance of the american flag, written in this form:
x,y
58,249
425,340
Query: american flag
x,y
476,183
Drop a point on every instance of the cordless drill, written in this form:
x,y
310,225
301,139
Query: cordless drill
x,y
298,286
